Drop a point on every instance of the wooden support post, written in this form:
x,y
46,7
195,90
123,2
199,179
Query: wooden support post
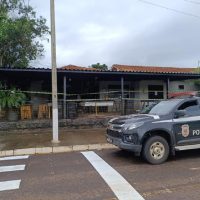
x,y
122,95
96,108
64,97
167,92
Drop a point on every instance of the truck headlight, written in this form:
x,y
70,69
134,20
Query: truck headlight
x,y
132,126
131,138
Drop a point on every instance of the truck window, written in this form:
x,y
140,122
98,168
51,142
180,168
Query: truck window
x,y
193,111
188,104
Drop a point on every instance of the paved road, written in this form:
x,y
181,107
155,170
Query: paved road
x,y
70,176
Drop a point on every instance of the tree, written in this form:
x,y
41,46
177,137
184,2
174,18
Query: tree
x,y
196,82
99,66
21,32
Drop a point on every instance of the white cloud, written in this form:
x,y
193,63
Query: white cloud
x,y
124,32
97,33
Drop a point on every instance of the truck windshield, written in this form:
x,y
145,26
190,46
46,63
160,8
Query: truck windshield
x,y
164,107
147,109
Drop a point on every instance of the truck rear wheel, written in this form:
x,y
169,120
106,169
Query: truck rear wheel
x,y
156,150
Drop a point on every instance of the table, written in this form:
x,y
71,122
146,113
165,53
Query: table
x,y
97,104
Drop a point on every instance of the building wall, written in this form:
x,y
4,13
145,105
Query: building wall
x,y
143,88
105,92
139,93
188,86
104,88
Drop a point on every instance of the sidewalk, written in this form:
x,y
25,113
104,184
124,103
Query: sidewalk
x,y
39,140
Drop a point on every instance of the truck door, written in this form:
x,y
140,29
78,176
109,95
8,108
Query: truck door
x,y
187,127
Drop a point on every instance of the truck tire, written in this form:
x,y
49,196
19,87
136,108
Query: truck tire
x,y
156,150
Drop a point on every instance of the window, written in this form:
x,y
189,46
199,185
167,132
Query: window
x,y
181,87
155,91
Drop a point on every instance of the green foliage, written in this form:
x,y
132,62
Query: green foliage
x,y
197,83
12,98
99,66
197,70
20,34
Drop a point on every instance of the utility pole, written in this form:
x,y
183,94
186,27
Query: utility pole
x,y
54,76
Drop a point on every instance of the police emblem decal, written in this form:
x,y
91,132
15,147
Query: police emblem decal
x,y
185,130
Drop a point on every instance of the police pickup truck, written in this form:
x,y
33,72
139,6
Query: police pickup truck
x,y
170,126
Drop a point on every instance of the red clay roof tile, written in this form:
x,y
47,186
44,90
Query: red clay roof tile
x,y
133,68
151,69
78,68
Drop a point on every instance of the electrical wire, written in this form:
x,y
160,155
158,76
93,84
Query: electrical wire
x,y
194,2
171,9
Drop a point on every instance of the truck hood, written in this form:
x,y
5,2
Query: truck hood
x,y
134,118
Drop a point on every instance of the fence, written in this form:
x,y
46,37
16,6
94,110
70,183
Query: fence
x,y
39,106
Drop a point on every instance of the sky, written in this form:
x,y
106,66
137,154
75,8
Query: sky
x,y
127,32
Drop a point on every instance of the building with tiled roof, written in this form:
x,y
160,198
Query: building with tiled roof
x,y
122,83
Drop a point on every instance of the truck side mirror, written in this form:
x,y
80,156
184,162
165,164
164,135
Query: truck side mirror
x,y
180,113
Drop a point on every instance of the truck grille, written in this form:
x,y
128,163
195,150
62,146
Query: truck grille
x,y
115,134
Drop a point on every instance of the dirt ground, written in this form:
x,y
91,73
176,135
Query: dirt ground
x,y
42,137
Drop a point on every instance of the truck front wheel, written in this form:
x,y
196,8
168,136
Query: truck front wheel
x,y
156,150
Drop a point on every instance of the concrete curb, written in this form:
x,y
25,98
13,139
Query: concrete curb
x,y
58,149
